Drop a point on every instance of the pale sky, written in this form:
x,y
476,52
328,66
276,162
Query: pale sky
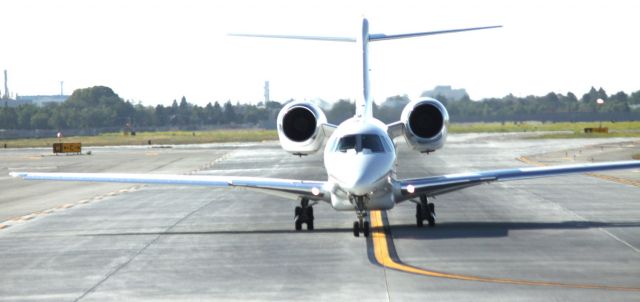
x,y
157,51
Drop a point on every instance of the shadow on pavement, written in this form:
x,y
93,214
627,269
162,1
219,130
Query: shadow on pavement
x,y
452,230
225,232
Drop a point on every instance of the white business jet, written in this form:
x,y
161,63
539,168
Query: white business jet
x,y
359,155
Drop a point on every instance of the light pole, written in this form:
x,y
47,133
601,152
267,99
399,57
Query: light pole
x,y
600,102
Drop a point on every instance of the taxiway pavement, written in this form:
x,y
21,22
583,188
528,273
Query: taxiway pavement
x,y
122,242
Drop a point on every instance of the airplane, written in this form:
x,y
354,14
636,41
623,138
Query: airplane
x,y
360,154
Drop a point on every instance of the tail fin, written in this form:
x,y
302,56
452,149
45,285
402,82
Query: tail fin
x,y
364,101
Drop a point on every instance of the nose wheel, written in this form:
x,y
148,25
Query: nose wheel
x,y
425,210
361,225
304,214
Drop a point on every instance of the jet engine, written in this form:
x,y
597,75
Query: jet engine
x,y
300,128
425,124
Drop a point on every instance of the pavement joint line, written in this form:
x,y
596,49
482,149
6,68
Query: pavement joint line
x,y
28,217
620,240
383,243
210,164
621,180
140,251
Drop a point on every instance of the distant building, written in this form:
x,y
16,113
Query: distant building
x,y
13,103
41,100
38,100
447,92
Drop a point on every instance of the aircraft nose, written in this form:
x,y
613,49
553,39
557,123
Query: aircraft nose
x,y
361,178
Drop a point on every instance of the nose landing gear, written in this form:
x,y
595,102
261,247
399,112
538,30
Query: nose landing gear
x,y
425,211
361,225
304,214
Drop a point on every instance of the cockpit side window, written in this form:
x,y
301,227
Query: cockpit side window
x,y
346,143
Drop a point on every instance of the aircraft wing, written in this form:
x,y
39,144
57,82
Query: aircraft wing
x,y
437,185
288,188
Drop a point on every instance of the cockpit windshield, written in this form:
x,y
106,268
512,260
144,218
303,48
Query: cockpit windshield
x,y
367,143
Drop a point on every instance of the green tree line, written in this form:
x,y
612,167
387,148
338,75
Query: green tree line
x,y
551,106
101,107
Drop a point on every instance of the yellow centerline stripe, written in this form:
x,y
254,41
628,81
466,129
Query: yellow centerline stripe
x,y
382,255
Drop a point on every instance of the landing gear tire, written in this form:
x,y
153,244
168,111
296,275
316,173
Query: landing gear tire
x,y
431,217
304,214
425,211
365,229
298,224
298,218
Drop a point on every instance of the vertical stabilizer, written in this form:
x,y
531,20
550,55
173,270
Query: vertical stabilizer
x,y
363,101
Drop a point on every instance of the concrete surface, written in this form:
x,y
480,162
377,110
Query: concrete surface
x,y
185,243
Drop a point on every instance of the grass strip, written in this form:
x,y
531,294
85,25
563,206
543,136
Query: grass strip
x,y
153,138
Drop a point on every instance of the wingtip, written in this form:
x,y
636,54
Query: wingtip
x,y
17,174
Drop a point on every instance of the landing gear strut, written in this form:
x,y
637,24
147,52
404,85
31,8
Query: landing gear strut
x,y
361,225
425,211
304,214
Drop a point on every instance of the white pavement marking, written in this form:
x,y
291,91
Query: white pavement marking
x,y
620,240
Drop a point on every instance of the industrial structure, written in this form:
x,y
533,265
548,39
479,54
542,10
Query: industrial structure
x,y
5,96
39,100
266,93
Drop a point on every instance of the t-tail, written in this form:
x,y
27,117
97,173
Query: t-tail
x,y
364,107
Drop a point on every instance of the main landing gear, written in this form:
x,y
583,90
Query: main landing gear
x,y
425,210
304,214
361,225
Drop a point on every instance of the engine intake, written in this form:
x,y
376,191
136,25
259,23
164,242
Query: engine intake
x,y
426,122
300,128
299,124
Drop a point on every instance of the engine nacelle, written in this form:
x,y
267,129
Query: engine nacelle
x,y
425,124
300,128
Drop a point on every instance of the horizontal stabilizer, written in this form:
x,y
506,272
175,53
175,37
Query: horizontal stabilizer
x,y
317,38
380,37
372,37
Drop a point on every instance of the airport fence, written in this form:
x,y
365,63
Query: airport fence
x,y
48,133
